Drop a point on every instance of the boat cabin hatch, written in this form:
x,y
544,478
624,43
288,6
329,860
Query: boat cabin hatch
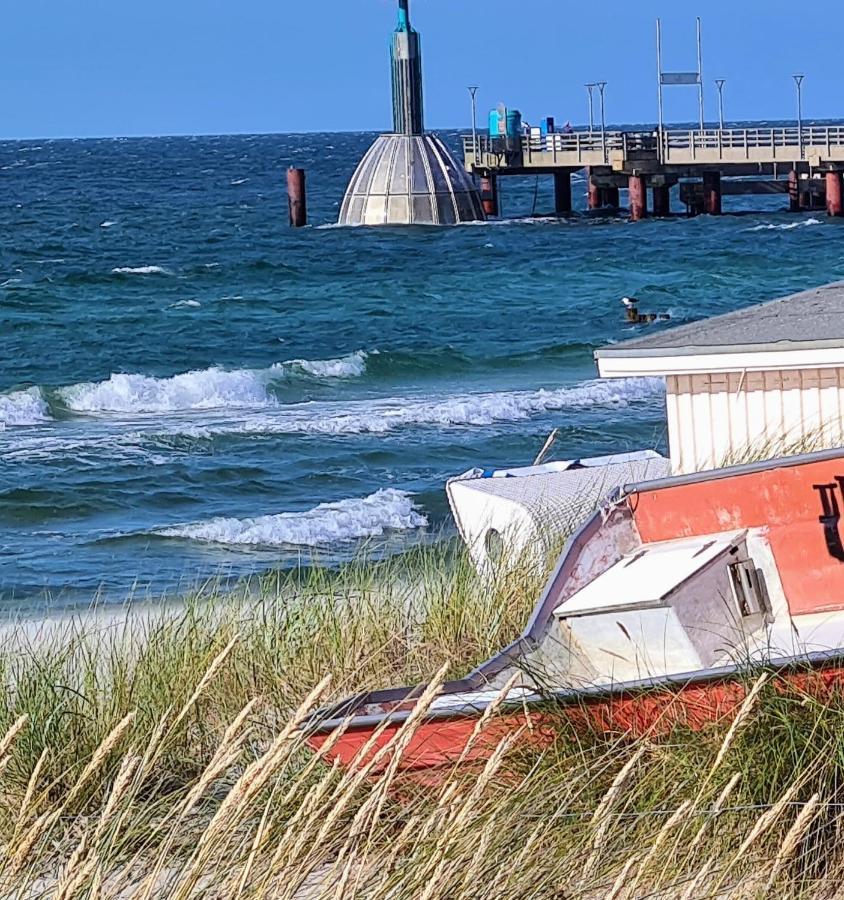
x,y
666,607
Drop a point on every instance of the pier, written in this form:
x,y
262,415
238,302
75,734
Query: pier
x,y
804,162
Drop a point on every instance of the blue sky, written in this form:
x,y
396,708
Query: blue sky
x,y
125,67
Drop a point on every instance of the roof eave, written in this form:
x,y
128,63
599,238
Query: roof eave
x,y
620,362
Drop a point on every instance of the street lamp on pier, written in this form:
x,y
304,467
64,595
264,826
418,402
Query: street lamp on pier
x,y
798,81
601,85
719,83
473,90
589,88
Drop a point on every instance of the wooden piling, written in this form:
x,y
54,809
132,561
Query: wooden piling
x,y
712,193
793,191
297,200
489,194
834,205
662,200
562,193
638,199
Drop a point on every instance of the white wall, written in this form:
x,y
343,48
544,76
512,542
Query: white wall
x,y
728,417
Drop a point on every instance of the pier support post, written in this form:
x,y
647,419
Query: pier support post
x,y
594,199
297,200
712,193
834,205
662,200
637,188
489,194
793,191
562,193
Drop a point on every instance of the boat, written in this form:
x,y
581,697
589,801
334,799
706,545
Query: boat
x,y
518,515
661,609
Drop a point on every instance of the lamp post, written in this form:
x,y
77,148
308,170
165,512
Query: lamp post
x,y
589,88
473,89
601,85
719,83
798,81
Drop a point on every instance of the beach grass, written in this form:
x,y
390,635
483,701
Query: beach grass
x,y
159,755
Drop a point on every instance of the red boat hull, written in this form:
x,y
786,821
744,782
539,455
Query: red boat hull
x,y
439,743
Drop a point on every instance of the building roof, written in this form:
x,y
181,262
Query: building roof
x,y
803,329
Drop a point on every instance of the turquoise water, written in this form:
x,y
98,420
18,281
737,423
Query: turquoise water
x,y
188,388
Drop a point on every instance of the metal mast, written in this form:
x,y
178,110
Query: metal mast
x,y
406,56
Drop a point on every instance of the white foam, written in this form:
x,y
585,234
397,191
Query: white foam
x,y
191,304
140,270
213,388
107,224
206,389
785,226
238,181
27,407
351,366
328,523
386,415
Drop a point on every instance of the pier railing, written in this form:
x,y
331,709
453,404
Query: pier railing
x,y
575,149
671,147
762,145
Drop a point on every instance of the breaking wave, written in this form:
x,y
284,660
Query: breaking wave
x,y
206,389
141,270
213,388
785,226
351,366
328,523
27,407
383,416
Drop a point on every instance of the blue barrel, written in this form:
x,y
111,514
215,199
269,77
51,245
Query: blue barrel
x,y
494,124
514,123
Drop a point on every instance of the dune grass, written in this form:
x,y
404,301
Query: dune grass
x,y
160,757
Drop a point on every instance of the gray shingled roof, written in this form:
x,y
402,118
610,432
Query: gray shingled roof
x,y
812,319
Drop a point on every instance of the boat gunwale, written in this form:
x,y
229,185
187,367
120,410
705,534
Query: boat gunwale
x,y
813,661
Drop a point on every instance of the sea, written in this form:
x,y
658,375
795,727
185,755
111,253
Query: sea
x,y
190,390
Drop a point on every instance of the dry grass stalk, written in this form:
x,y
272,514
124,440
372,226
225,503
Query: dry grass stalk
x,y
109,742
620,882
27,802
762,824
9,737
225,755
793,838
741,717
251,782
714,810
601,818
19,854
206,679
491,710
693,890
677,816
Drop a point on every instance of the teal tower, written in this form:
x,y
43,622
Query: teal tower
x,y
409,177
406,56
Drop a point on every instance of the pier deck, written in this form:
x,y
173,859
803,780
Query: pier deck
x,y
628,152
801,156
